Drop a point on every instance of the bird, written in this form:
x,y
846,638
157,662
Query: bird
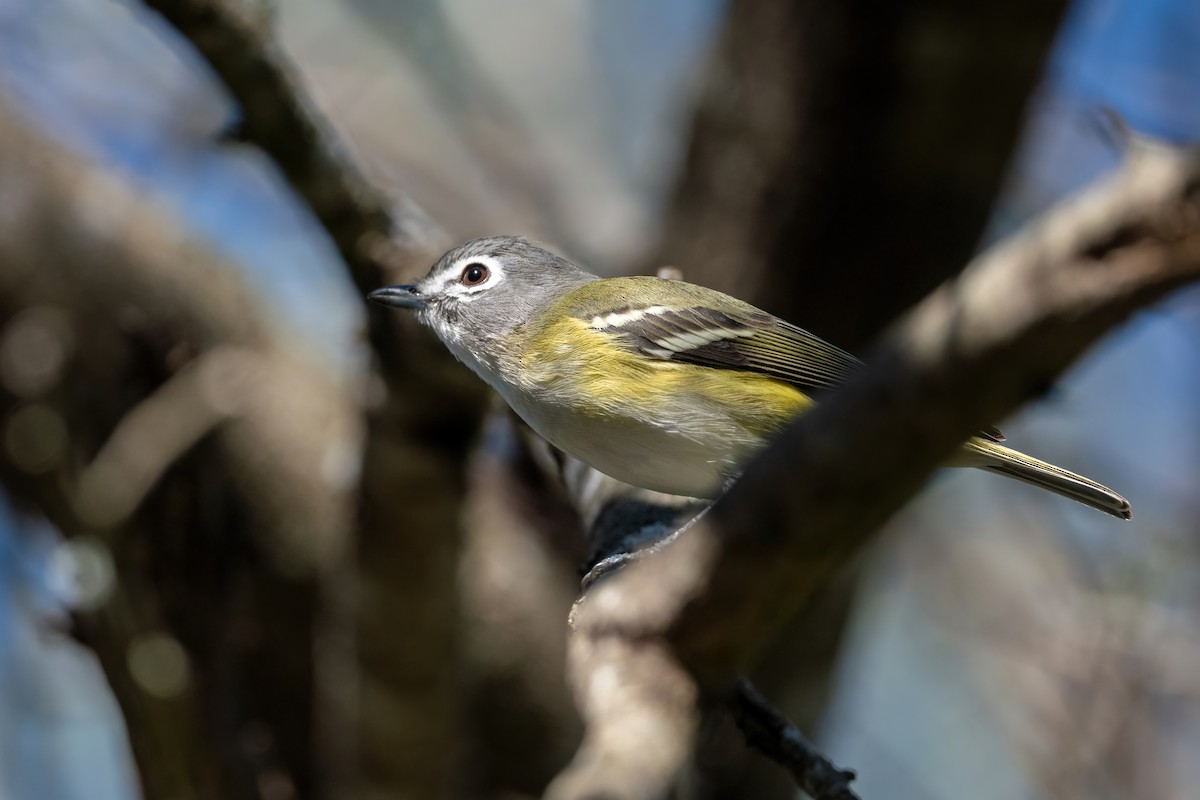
x,y
661,384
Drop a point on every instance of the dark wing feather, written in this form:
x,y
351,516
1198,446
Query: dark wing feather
x,y
750,341
754,342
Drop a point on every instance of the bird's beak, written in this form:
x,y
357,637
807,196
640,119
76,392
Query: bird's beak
x,y
398,297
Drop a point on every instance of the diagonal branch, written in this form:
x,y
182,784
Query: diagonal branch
x,y
972,352
767,730
373,234
115,266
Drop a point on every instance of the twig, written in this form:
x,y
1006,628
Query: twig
x,y
155,433
767,730
120,269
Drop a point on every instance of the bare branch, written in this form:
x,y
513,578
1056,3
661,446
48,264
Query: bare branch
x,y
641,713
416,439
375,235
969,354
115,265
767,730
624,524
151,437
120,301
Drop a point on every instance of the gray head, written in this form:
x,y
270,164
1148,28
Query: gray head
x,y
484,289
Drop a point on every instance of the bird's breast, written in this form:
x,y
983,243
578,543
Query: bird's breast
x,y
673,428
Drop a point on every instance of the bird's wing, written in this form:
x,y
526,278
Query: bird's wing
x,y
753,341
741,339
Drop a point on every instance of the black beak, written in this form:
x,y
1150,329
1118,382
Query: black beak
x,y
398,297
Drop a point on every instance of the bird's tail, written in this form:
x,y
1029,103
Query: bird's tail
x,y
998,458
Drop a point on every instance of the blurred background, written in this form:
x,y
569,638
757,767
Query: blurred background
x,y
197,602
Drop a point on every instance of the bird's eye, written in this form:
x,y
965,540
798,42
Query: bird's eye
x,y
474,274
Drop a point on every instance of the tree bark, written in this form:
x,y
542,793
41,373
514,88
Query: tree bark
x,y
693,614
845,156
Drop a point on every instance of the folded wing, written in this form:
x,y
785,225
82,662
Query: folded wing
x,y
751,340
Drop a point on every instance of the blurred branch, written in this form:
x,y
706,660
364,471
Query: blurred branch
x,y
769,731
120,269
375,236
625,524
972,352
640,709
121,302
151,437
417,436
831,137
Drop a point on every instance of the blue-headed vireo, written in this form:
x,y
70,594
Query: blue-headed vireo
x,y
659,383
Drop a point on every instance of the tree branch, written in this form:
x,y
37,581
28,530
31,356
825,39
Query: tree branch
x,y
119,269
624,524
374,236
121,302
416,439
767,730
969,354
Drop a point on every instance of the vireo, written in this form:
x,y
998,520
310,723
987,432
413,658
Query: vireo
x,y
659,383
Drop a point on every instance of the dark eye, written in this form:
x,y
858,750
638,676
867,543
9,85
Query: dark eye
x,y
474,274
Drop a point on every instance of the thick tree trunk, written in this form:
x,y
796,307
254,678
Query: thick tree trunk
x,y
845,155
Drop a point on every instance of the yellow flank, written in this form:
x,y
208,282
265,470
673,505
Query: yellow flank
x,y
562,365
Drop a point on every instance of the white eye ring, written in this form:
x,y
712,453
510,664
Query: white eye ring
x,y
471,274
474,274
